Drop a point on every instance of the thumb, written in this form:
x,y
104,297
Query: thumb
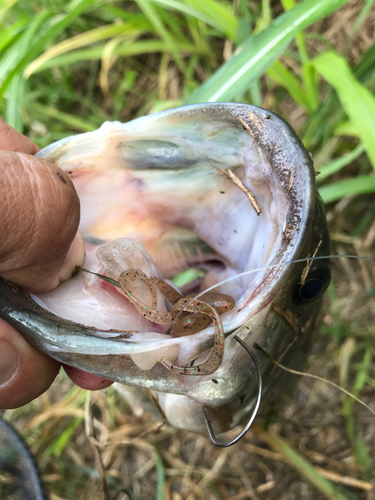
x,y
38,221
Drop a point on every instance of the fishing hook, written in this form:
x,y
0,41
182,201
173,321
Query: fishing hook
x,y
256,408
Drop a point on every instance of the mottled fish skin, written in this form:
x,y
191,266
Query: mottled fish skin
x,y
279,322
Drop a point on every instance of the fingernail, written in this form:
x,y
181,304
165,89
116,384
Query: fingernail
x,y
9,362
75,257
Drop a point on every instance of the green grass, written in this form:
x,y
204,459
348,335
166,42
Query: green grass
x,y
65,67
73,66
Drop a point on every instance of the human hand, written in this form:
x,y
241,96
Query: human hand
x,y
39,248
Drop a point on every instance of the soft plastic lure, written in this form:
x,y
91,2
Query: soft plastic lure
x,y
203,311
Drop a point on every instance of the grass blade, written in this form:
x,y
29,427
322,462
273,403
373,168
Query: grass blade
x,y
357,101
16,100
308,71
349,187
6,6
299,463
123,49
365,10
219,12
339,163
8,35
14,55
286,79
363,458
160,475
152,15
259,52
324,122
245,21
346,128
27,51
57,447
197,13
71,121
81,40
366,66
265,18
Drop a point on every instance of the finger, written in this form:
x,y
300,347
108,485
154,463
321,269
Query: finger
x,y
11,140
39,220
87,380
25,373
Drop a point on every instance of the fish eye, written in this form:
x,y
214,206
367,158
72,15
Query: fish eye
x,y
315,285
311,289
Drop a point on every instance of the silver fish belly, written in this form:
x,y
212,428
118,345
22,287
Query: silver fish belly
x,y
163,180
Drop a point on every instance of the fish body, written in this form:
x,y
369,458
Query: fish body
x,y
179,183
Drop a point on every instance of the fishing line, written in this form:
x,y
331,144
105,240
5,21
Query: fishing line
x,y
315,377
296,372
240,275
265,268
272,266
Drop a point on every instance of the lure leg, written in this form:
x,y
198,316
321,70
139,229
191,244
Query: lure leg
x,y
129,277
216,356
172,295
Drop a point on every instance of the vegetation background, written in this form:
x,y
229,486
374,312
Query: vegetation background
x,y
65,67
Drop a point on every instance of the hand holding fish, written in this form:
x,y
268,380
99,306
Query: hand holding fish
x,y
39,220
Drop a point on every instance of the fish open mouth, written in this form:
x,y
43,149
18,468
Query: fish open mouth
x,y
225,192
197,191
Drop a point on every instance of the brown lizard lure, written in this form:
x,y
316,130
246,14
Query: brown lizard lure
x,y
195,316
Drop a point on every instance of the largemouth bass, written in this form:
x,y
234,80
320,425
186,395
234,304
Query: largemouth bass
x,y
219,188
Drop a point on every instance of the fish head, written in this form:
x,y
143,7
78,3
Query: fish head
x,y
226,189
